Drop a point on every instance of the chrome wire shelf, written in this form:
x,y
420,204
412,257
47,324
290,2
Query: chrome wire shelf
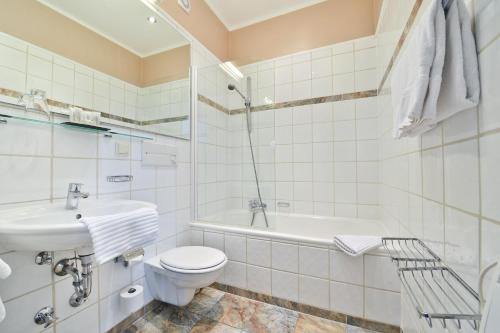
x,y
435,290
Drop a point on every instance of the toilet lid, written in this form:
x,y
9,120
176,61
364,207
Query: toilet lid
x,y
192,257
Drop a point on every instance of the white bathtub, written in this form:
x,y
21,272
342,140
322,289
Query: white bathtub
x,y
293,227
295,259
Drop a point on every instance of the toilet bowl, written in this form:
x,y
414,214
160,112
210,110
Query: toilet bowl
x,y
174,275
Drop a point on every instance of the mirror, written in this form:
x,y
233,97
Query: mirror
x,y
119,58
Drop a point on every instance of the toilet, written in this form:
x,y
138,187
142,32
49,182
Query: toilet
x,y
174,275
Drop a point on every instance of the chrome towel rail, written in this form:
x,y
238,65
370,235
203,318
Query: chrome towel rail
x,y
434,289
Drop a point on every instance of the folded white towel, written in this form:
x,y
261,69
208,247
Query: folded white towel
x,y
416,78
355,245
461,88
5,271
454,83
112,235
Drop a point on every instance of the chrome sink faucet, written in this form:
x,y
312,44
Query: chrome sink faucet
x,y
74,195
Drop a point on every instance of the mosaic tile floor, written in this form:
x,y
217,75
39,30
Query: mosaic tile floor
x,y
215,311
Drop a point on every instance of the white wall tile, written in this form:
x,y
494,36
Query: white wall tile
x,y
285,285
259,279
24,178
344,268
314,261
68,170
490,180
285,257
432,163
213,239
461,175
380,273
86,321
26,275
12,58
235,274
314,291
21,311
382,306
346,298
235,247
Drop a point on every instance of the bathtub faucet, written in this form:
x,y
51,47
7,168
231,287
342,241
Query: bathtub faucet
x,y
255,206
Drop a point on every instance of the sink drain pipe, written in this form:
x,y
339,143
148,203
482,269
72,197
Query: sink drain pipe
x,y
82,282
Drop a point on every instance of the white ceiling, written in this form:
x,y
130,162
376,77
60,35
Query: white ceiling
x,y
237,14
124,22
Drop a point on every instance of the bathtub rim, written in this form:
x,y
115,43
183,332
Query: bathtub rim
x,y
269,234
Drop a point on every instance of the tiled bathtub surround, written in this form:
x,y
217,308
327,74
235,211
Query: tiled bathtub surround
x,y
317,154
365,287
443,186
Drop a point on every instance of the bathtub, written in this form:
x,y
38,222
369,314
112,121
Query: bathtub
x,y
295,259
292,227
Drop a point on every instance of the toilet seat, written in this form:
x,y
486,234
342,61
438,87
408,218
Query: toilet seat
x,y
192,259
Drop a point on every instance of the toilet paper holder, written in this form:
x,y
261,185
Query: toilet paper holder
x,y
130,256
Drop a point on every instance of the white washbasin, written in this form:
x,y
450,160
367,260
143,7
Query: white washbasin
x,y
51,227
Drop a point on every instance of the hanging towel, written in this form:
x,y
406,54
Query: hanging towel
x,y
416,78
112,235
355,245
460,88
5,271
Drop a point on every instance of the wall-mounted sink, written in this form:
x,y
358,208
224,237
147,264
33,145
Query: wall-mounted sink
x,y
51,227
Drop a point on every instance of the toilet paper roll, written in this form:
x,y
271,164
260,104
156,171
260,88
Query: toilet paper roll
x,y
131,298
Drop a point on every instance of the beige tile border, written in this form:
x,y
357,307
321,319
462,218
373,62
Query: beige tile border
x,y
308,309
401,41
299,102
213,104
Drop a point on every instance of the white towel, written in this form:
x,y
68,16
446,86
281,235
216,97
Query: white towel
x,y
416,78
112,235
460,87
5,271
355,245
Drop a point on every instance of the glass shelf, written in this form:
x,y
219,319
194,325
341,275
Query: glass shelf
x,y
36,117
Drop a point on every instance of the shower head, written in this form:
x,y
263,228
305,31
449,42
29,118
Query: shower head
x,y
233,87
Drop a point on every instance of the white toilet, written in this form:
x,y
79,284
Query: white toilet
x,y
174,275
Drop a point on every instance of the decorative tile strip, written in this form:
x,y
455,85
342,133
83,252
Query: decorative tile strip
x,y
10,93
164,120
372,325
401,41
213,104
309,101
308,309
61,105
299,102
